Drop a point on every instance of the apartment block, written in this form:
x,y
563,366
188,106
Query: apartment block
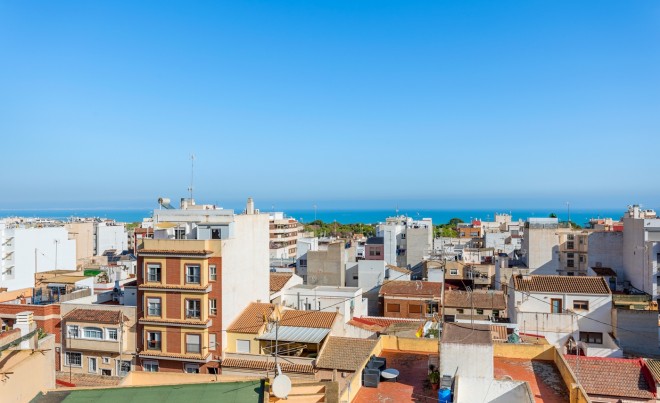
x,y
284,234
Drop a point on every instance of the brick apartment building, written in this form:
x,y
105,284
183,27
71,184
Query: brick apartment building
x,y
410,299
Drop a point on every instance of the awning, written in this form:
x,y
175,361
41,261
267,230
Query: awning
x,y
296,334
166,225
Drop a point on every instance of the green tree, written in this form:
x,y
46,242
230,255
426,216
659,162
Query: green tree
x,y
552,215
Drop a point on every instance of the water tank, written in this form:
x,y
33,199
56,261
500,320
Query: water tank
x,y
444,395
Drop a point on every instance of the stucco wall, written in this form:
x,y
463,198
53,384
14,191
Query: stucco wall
x,y
30,373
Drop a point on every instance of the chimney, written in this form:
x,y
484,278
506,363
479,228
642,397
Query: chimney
x,y
249,209
25,322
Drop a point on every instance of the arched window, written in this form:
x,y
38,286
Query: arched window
x,y
93,333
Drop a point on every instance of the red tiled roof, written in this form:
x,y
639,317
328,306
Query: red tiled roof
x,y
616,377
604,271
251,319
415,288
313,319
561,284
279,280
152,353
174,252
266,365
345,353
477,299
95,316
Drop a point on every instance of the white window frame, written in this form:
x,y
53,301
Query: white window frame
x,y
108,331
153,300
189,310
241,344
89,365
192,276
160,272
193,367
189,344
151,364
105,360
453,272
213,306
213,272
67,359
213,343
73,331
94,329
158,339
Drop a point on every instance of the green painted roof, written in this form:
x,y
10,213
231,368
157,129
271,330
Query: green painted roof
x,y
229,392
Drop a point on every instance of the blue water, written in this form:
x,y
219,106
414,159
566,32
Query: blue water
x,y
341,216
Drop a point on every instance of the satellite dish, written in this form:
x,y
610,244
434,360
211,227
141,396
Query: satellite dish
x,y
281,386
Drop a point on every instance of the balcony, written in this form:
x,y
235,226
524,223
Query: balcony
x,y
92,345
195,288
197,323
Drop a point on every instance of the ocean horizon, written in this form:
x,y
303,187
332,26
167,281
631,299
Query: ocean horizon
x,y
342,216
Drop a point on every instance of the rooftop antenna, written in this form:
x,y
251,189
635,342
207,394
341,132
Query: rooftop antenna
x,y
192,173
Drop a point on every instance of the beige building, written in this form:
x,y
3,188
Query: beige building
x,y
83,233
98,341
328,266
573,252
284,234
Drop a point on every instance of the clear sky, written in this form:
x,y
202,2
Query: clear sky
x,y
342,103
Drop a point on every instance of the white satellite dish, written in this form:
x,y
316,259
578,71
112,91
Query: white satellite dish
x,y
281,386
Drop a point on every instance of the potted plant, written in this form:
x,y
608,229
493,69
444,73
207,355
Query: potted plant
x,y
434,378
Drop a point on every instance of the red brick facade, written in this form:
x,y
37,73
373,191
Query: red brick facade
x,y
393,307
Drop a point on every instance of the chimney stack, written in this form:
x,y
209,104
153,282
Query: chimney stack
x,y
249,209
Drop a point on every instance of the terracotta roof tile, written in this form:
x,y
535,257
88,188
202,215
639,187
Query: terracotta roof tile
x,y
478,299
95,316
378,323
561,284
266,365
152,353
604,271
417,288
279,280
251,320
654,367
345,353
398,269
314,319
616,377
175,252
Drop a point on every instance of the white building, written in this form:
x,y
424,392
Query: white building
x,y
407,242
347,301
540,245
565,310
641,249
284,234
304,245
28,250
110,235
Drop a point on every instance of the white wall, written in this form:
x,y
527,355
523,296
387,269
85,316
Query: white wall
x,y
54,251
347,300
245,267
471,360
606,248
541,246
110,236
639,254
390,234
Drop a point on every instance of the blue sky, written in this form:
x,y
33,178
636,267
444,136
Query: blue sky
x,y
503,104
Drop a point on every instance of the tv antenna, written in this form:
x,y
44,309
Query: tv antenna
x,y
192,173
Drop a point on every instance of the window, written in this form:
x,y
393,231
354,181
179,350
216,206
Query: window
x,y
393,308
431,308
213,307
91,365
153,340
93,333
106,360
657,258
73,331
496,313
403,236
242,346
123,367
192,274
570,245
154,306
570,237
581,258
179,233
581,305
570,255
556,306
212,341
112,334
581,239
414,309
153,273
591,337
150,366
303,262
212,370
216,233
193,308
570,263
480,311
460,310
355,277
73,359
453,272
213,273
106,372
191,368
193,342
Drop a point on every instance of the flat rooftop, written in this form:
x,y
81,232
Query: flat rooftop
x,y
227,392
543,377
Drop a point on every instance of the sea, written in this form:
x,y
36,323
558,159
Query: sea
x,y
342,216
